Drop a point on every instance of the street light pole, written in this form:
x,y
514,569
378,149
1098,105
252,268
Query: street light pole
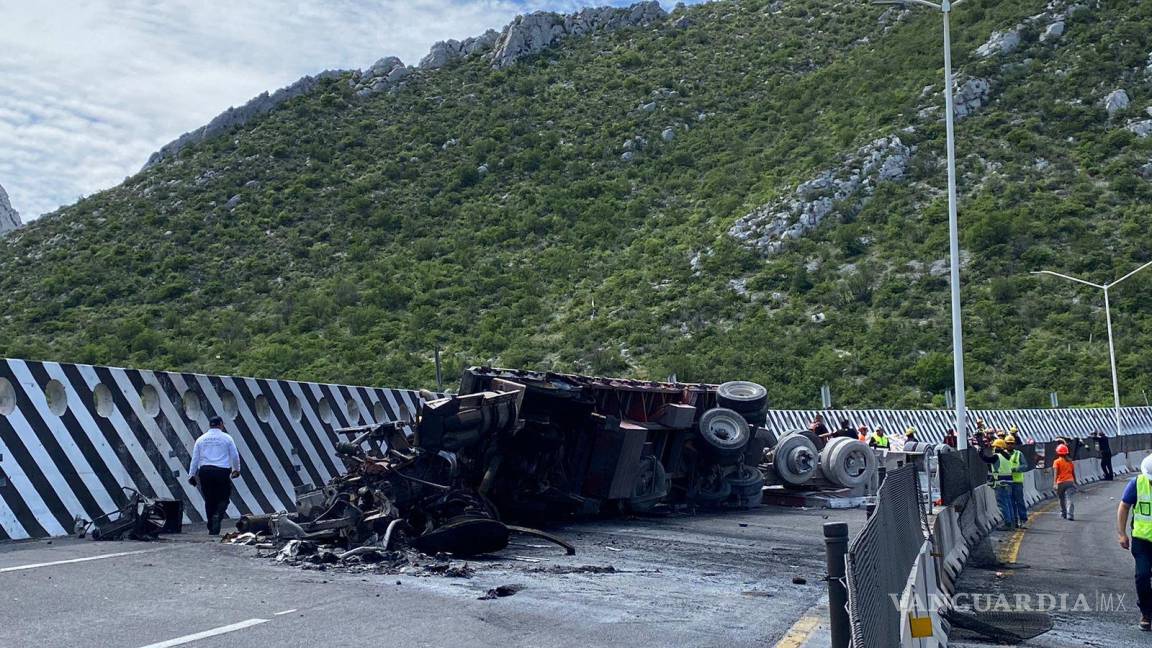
x,y
1108,318
945,8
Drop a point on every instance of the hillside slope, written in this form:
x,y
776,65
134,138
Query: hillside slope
x,y
745,189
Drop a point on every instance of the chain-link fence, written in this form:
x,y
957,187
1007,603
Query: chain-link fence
x,y
881,557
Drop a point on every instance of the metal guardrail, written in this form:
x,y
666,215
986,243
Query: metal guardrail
x,y
881,557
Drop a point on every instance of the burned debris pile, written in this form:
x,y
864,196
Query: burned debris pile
x,y
522,446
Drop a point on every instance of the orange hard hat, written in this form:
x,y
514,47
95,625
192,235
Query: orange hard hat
x,y
1061,449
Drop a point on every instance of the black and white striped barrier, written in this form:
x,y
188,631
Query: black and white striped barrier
x,y
72,435
931,425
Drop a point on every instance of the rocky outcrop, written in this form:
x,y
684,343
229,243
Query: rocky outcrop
x,y
847,187
1116,101
970,97
385,74
234,117
526,35
9,218
1001,42
1052,32
445,52
532,33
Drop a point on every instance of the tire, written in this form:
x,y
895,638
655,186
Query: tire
x,y
756,419
795,460
742,396
849,463
725,433
651,486
747,486
714,497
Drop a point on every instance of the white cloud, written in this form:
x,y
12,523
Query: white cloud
x,y
91,88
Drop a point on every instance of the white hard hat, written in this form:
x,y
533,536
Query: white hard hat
x,y
1146,466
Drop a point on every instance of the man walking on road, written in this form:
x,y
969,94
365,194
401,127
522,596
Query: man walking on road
x,y
1105,447
215,462
1137,499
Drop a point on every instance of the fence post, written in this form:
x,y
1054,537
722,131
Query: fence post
x,y
836,548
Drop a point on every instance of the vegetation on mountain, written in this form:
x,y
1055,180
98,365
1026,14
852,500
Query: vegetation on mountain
x,y
572,212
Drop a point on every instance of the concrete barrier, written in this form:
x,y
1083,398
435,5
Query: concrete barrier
x,y
71,436
1031,494
1120,464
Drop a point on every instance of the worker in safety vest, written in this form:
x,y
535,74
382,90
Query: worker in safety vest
x,y
1019,467
862,433
1001,480
1137,499
878,439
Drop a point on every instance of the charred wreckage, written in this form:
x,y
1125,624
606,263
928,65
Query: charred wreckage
x,y
522,446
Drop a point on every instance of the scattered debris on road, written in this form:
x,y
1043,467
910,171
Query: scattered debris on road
x,y
140,518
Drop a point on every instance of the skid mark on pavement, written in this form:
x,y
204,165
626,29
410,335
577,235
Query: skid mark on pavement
x,y
76,560
180,641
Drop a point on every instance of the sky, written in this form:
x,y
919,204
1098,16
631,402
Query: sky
x,y
90,88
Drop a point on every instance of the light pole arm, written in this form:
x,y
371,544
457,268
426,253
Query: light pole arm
x,y
1064,276
902,3
1130,274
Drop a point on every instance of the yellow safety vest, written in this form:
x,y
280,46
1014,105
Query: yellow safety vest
x,y
1002,470
1017,460
881,440
1142,512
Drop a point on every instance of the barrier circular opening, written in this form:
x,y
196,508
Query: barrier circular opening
x,y
102,400
150,400
193,407
228,401
7,397
263,409
57,396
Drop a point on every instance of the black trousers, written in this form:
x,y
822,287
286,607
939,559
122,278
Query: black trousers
x,y
216,486
1106,466
1142,552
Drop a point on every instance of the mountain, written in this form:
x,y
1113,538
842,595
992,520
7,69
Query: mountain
x,y
9,217
749,189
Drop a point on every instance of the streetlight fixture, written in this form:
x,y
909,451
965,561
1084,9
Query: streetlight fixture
x,y
945,8
1108,317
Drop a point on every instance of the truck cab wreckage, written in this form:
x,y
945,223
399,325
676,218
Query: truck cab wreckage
x,y
525,446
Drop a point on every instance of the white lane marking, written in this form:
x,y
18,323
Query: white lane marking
x,y
284,612
76,560
180,641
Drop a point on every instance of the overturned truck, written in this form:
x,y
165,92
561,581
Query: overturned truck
x,y
523,446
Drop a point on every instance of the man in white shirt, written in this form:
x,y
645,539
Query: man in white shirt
x,y
215,462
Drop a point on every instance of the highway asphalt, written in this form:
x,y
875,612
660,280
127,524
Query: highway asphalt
x,y
724,579
1079,562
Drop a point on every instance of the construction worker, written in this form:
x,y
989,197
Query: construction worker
x,y
1001,476
1019,467
215,462
1065,480
1137,499
878,439
862,433
910,434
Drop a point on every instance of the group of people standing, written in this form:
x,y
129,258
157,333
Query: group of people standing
x,y
875,437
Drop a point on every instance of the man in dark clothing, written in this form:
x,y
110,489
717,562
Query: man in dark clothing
x,y
1105,448
215,463
845,430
